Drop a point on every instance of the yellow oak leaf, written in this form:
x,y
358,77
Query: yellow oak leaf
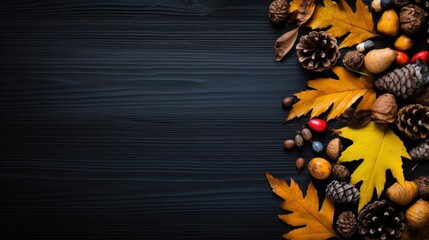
x,y
342,20
380,150
341,93
305,211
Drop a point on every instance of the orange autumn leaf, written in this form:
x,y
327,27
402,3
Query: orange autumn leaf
x,y
342,20
340,94
314,224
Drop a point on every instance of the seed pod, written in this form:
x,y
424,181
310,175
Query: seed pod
x,y
299,163
289,144
317,146
299,141
306,134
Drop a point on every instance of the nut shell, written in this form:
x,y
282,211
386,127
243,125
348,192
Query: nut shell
x,y
400,195
417,215
319,168
384,109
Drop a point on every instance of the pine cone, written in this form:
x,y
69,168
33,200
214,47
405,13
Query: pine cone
x,y
423,97
340,172
342,192
413,120
411,18
354,60
346,224
278,11
379,220
317,51
421,151
406,81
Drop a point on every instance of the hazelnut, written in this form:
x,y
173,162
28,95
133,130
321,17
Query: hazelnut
x,y
299,163
334,148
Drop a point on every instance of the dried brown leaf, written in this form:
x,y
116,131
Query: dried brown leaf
x,y
285,43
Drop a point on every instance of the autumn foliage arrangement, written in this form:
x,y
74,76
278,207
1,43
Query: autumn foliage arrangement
x,y
381,97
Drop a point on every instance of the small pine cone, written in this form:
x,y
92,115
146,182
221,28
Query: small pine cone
x,y
342,192
404,82
354,60
421,151
278,11
317,51
379,220
423,185
346,224
340,172
413,121
411,18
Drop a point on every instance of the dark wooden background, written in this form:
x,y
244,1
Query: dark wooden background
x,y
143,120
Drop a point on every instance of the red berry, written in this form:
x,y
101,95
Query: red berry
x,y
422,55
402,59
317,125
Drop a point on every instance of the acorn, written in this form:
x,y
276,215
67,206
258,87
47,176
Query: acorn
x,y
334,148
379,60
388,24
365,46
400,195
378,5
403,43
319,168
417,215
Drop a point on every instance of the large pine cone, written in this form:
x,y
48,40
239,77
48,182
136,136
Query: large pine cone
x,y
342,192
404,82
346,224
317,51
421,151
413,121
379,220
278,11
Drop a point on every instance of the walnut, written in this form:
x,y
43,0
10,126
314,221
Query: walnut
x,y
411,18
384,109
354,60
278,11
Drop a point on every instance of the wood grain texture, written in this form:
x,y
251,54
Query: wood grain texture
x,y
143,120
